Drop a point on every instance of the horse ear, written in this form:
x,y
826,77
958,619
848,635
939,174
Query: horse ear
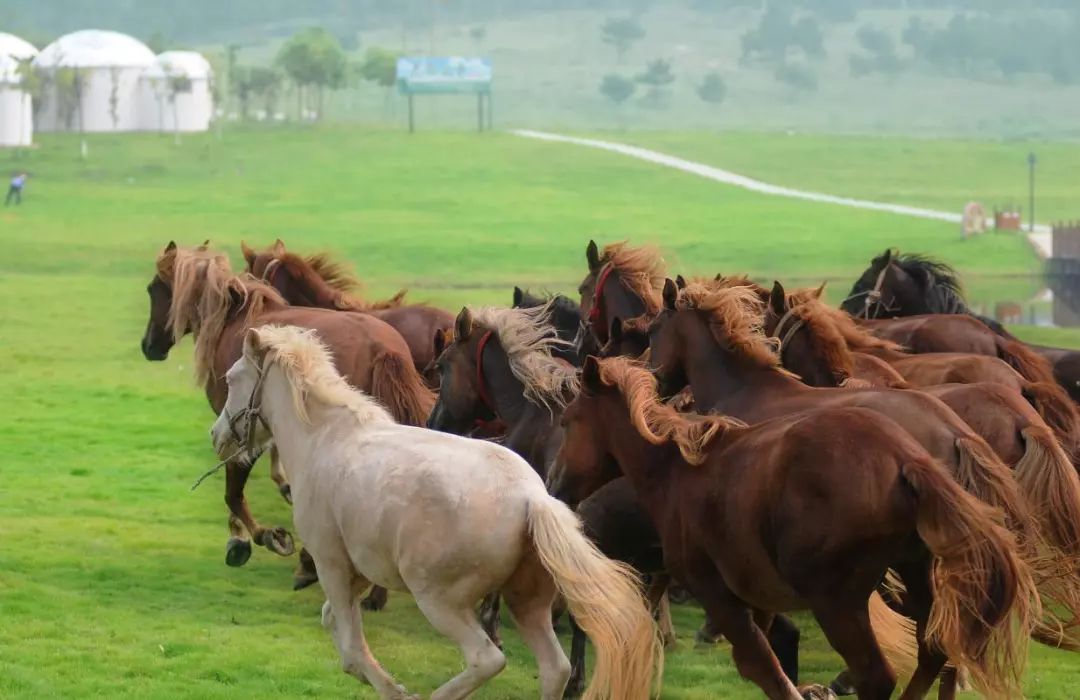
x,y
249,254
252,344
671,294
719,276
518,296
171,247
205,244
592,255
278,248
615,334
821,290
887,256
440,341
778,298
591,382
680,281
463,325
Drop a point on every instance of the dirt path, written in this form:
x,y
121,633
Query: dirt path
x,y
1040,240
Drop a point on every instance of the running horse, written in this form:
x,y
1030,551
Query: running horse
x,y
897,285
807,512
318,281
622,282
194,291
446,518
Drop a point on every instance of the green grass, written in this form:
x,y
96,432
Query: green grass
x,y
112,581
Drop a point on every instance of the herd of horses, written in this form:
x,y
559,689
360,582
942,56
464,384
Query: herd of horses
x,y
901,468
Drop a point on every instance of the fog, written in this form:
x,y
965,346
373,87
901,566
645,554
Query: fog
x,y
975,68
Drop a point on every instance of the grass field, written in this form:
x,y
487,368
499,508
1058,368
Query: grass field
x,y
112,581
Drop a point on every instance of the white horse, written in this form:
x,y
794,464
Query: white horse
x,y
446,518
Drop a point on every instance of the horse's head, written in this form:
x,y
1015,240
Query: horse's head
x,y
239,425
629,338
585,462
461,400
670,333
270,266
604,292
159,338
905,285
786,319
565,315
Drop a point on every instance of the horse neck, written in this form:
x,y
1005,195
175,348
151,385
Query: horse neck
x,y
309,289
507,391
650,468
722,381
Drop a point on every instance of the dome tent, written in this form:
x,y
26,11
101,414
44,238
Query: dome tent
x,y
16,108
107,67
175,93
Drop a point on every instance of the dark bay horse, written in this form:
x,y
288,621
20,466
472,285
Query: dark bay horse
x,y
815,348
896,285
320,282
623,282
195,291
807,512
565,315
501,364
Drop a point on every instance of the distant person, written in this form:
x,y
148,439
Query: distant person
x,y
15,190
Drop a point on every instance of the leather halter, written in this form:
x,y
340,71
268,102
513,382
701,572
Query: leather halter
x,y
269,270
598,294
872,296
253,413
786,337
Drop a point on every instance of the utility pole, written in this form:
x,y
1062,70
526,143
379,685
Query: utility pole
x,y
1031,191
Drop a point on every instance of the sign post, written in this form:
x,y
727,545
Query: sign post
x,y
446,75
1031,191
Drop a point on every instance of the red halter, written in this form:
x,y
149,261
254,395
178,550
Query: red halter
x,y
598,293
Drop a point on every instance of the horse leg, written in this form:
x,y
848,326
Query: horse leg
x,y
376,599
784,638
482,658
917,602
656,595
847,627
575,686
529,595
305,573
238,548
948,685
709,632
342,586
489,617
277,539
277,473
749,647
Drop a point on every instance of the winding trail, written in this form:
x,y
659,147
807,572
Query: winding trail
x,y
1040,239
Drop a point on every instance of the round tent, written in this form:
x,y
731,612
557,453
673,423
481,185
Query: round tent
x,y
16,106
91,78
176,93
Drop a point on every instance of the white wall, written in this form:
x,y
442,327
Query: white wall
x,y
16,117
97,110
194,109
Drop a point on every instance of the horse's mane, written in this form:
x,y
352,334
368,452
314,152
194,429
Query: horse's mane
x,y
657,422
641,270
336,281
735,318
338,275
204,291
309,369
528,338
729,281
818,315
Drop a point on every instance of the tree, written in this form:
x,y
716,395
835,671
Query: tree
x,y
797,76
380,67
177,84
478,34
622,33
266,83
617,89
808,37
657,76
313,58
712,88
157,43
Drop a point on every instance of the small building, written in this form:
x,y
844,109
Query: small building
x,y
16,105
92,77
176,93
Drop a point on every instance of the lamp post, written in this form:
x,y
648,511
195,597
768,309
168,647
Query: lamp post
x,y
1031,191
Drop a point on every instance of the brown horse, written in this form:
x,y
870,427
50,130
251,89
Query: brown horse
x,y
807,512
623,282
195,291
321,282
814,347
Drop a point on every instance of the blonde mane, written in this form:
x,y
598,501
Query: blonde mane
x,y
339,283
721,282
854,337
527,336
203,290
657,422
309,368
641,270
338,275
735,319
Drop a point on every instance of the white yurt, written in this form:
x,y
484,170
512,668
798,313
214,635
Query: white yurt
x,y
108,65
175,93
16,108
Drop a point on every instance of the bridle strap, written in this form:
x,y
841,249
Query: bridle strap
x,y
785,339
269,270
252,412
872,296
598,294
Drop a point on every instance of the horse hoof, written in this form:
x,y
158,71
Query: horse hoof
x,y
303,580
816,692
670,642
237,551
279,541
286,493
375,601
704,636
842,685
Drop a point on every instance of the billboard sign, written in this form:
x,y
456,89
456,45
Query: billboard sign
x,y
443,74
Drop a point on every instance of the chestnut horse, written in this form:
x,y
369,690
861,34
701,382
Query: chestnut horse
x,y
912,285
622,282
814,346
320,282
807,512
195,291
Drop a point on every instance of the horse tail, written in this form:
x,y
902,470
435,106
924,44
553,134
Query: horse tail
x,y
895,634
1056,408
605,599
396,383
981,473
1033,366
984,595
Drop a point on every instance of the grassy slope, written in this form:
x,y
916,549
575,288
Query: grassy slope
x,y
111,575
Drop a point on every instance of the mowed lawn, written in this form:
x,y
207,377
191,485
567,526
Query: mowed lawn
x,y
112,579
